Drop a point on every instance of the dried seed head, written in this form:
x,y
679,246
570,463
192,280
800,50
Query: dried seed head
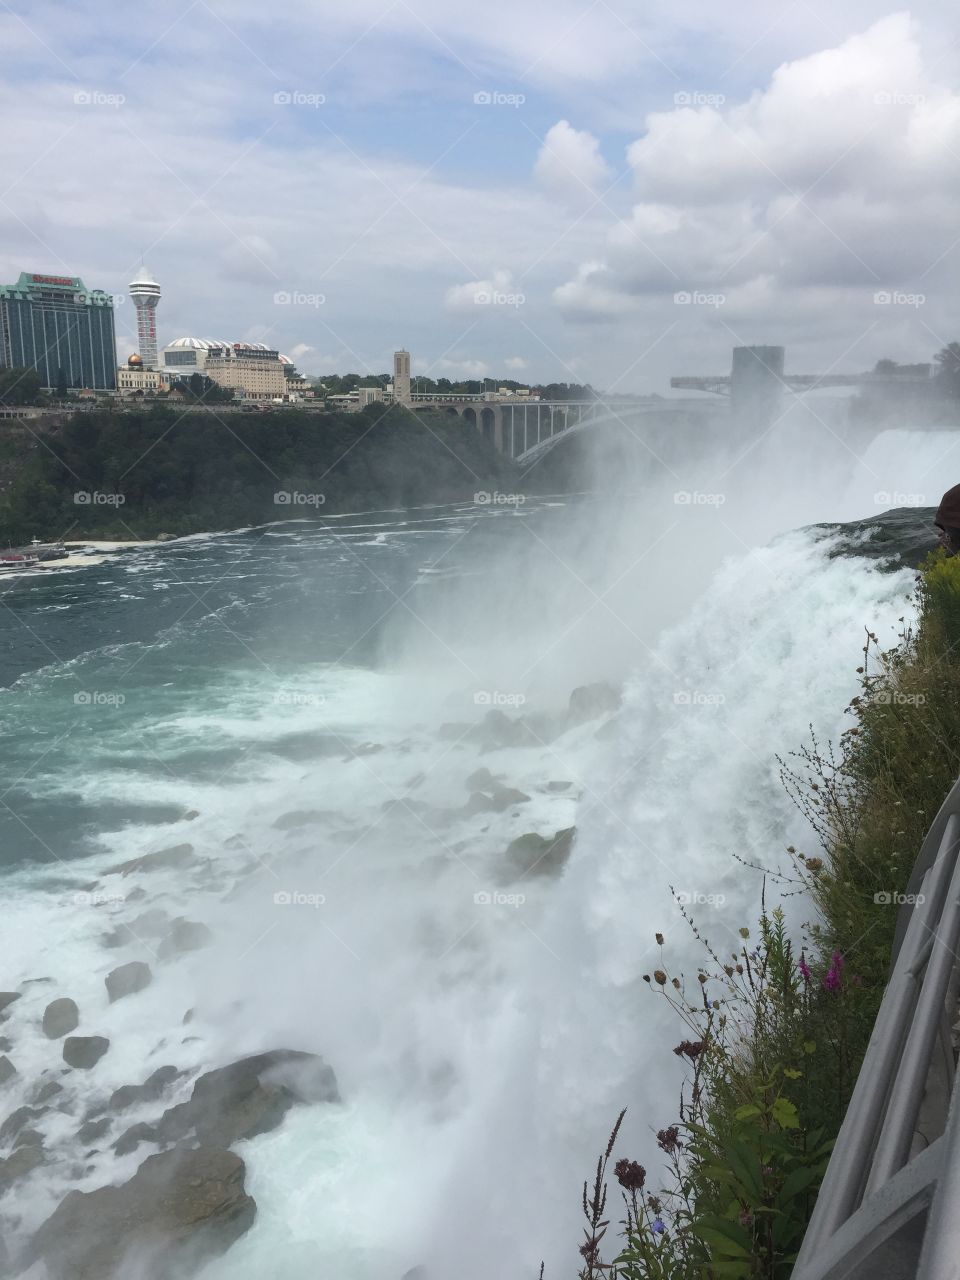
x,y
660,977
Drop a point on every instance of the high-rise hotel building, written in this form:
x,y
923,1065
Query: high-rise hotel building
x,y
59,327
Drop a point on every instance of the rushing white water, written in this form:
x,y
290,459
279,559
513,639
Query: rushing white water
x,y
483,1048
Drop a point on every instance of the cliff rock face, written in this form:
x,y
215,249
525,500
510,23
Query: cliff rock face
x,y
178,1210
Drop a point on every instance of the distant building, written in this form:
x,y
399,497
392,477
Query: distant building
x,y
54,324
252,372
133,379
368,395
401,377
188,355
145,294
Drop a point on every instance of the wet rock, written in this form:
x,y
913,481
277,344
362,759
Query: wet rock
x,y
93,1130
131,1139
149,924
29,1138
495,799
591,701
559,786
6,999
536,855
177,856
129,1095
47,1091
480,780
127,980
84,1052
180,1209
16,1120
191,814
16,1166
185,935
60,1017
249,1097
416,1273
303,818
6,1044
7,1070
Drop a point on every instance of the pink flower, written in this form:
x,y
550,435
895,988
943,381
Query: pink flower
x,y
833,979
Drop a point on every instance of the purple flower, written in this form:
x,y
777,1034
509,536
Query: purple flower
x,y
658,1227
833,978
804,968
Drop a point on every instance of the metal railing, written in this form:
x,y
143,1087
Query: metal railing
x,y
889,1206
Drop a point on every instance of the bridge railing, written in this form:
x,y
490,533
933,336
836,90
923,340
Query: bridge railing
x,y
889,1206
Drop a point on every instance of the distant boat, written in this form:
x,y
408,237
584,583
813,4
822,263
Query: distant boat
x,y
35,553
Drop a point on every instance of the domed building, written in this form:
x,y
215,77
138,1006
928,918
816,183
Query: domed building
x,y
188,355
133,379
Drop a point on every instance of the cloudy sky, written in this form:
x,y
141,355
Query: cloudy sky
x,y
592,190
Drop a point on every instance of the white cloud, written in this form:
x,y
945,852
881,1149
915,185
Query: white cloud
x,y
474,294
516,364
791,209
569,163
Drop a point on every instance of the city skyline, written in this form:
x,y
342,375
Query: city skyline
x,y
538,219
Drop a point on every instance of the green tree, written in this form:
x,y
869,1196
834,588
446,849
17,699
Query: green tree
x,y
948,368
19,385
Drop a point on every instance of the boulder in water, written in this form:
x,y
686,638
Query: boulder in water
x,y
535,855
591,701
248,1097
185,935
176,857
127,980
151,1090
16,1120
46,1092
180,1209
84,1052
60,1017
93,1130
6,999
16,1166
7,1070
